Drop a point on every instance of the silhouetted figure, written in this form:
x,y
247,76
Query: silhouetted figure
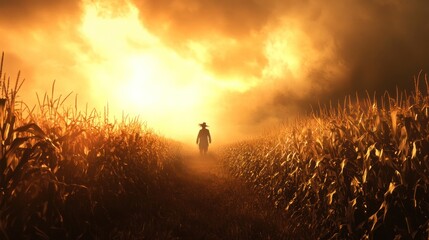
x,y
204,138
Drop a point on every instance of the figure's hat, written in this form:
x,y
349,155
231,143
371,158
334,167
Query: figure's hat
x,y
203,124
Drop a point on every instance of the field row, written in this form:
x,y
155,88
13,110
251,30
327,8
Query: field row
x,y
69,174
357,171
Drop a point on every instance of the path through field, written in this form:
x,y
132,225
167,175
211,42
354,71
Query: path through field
x,y
213,205
206,203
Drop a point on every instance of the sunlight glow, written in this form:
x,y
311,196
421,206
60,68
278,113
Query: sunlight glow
x,y
283,49
136,74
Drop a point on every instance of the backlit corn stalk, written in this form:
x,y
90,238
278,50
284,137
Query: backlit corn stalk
x,y
358,171
63,172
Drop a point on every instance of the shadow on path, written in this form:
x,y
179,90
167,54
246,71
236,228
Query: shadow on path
x,y
209,204
201,201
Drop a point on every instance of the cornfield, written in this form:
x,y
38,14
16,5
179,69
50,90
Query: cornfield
x,y
356,171
69,174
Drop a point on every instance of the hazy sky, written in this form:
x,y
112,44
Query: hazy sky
x,y
239,65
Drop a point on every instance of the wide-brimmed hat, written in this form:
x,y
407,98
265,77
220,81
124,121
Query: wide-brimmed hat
x,y
203,124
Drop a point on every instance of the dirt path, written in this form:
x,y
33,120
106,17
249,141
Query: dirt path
x,y
205,166
201,201
209,204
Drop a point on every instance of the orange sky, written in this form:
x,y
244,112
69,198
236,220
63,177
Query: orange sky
x,y
241,66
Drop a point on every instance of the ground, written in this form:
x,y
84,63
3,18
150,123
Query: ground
x,y
204,202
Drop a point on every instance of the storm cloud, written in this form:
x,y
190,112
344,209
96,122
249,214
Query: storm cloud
x,y
26,12
344,47
378,42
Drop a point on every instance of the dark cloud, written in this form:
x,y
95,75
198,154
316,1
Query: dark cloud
x,y
28,13
202,18
384,44
374,45
375,39
178,22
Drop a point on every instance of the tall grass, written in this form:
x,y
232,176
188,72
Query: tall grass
x,y
356,171
69,174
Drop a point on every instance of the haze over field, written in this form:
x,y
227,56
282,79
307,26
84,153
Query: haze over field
x,y
241,66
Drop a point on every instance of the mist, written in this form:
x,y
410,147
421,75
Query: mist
x,y
259,63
